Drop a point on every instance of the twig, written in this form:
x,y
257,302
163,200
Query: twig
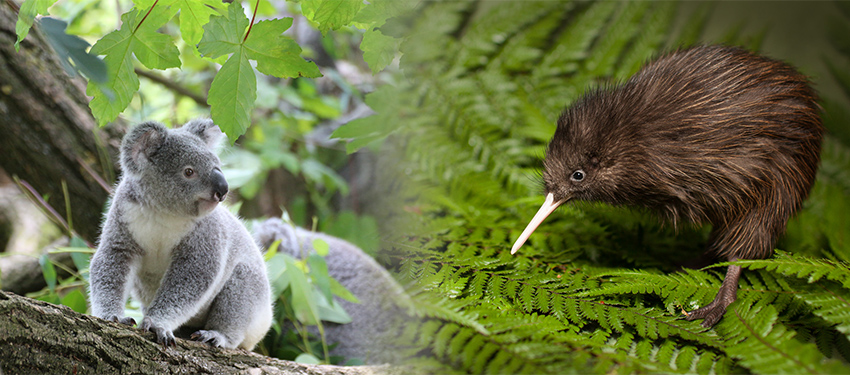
x,y
34,194
94,175
179,90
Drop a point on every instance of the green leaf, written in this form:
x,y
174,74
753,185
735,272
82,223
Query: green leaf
x,y
272,250
48,271
234,89
303,298
332,311
321,247
194,15
112,97
319,275
80,255
275,54
340,291
378,49
330,14
307,358
376,13
232,95
76,300
73,48
812,269
26,16
765,346
223,35
155,50
277,272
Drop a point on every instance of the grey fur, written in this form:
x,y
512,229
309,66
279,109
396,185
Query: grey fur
x,y
167,242
379,294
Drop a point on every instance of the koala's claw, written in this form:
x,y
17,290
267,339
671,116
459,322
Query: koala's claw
x,y
127,320
214,338
163,336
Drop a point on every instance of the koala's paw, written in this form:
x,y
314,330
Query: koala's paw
x,y
163,336
127,320
214,338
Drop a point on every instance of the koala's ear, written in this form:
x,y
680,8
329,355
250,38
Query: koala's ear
x,y
206,130
140,143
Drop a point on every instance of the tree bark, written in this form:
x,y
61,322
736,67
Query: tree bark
x,y
41,338
47,132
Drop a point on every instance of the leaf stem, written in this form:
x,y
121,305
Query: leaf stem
x,y
145,17
256,6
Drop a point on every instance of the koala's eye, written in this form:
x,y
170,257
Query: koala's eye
x,y
577,176
188,172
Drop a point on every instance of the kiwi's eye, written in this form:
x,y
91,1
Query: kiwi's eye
x,y
577,175
188,172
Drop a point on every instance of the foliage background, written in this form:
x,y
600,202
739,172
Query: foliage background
x,y
600,289
597,289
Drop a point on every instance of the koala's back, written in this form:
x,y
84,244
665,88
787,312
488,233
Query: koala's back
x,y
374,319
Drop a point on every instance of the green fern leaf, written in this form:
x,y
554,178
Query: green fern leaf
x,y
831,304
764,345
802,267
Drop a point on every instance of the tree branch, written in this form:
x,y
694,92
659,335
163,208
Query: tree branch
x,y
42,338
48,129
179,90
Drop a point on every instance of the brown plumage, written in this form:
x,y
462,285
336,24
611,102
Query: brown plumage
x,y
710,134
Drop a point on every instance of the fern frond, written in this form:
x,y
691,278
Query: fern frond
x,y
764,345
427,305
489,80
677,288
829,303
803,267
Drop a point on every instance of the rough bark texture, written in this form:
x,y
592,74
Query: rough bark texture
x,y
41,338
48,132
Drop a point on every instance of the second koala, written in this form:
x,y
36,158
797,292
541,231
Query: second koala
x,y
168,242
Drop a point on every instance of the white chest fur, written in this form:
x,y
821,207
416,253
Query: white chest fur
x,y
157,234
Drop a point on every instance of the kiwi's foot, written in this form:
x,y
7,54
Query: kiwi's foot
x,y
711,313
725,296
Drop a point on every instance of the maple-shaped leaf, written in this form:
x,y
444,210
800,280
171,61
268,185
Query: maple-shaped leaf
x,y
378,49
278,56
154,50
234,88
26,15
378,11
330,14
194,14
223,35
232,95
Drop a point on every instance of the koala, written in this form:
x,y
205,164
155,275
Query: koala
x,y
381,297
167,242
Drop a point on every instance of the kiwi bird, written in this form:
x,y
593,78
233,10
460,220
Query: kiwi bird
x,y
709,134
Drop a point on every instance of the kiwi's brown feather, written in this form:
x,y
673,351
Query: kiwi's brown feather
x,y
710,134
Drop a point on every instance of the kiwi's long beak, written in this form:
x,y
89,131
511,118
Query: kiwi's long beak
x,y
548,206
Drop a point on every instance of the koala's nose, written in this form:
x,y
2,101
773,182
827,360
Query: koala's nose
x,y
219,185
